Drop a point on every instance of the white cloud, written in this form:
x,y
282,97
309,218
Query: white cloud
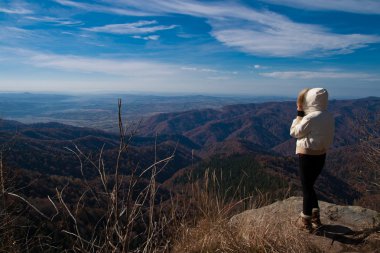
x,y
139,27
251,31
149,37
220,78
255,32
10,33
212,74
105,66
258,66
17,10
81,64
50,73
289,39
189,68
58,21
209,70
69,33
317,75
353,6
103,8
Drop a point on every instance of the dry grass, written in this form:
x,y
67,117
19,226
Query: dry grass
x,y
219,236
212,230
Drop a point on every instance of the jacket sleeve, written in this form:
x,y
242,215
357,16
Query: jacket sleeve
x,y
300,127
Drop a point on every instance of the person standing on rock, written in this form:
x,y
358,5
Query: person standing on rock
x,y
314,130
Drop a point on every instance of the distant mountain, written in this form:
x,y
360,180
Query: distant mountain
x,y
257,130
263,125
100,110
262,131
44,148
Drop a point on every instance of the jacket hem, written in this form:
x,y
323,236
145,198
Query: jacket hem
x,y
307,151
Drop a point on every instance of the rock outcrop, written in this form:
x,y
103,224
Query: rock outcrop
x,y
346,228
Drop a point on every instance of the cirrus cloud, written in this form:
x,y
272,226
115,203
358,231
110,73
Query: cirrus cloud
x,y
83,64
139,27
131,68
317,75
353,6
149,37
255,32
57,21
19,11
102,8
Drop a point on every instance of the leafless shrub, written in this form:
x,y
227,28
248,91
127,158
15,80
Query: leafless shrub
x,y
129,218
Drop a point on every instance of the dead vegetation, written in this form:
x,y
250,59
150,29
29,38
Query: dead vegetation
x,y
131,218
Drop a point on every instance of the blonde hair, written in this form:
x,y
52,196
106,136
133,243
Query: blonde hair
x,y
301,96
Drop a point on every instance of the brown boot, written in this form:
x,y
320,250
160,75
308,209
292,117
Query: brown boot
x,y
315,219
304,223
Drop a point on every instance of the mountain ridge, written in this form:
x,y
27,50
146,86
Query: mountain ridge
x,y
247,129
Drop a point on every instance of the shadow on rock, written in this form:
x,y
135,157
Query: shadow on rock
x,y
344,234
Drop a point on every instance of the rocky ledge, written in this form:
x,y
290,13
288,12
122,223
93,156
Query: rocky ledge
x,y
346,228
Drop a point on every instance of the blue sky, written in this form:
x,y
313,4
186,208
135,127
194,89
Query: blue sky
x,y
263,47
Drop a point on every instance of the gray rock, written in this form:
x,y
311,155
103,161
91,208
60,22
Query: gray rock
x,y
346,228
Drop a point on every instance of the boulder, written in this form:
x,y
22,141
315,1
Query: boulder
x,y
346,228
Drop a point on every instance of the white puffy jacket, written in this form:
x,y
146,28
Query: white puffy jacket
x,y
314,131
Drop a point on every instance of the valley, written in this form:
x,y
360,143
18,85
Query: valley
x,y
100,110
259,131
182,164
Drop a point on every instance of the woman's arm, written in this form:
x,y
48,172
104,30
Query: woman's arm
x,y
300,127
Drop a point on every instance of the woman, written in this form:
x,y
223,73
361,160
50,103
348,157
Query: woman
x,y
314,130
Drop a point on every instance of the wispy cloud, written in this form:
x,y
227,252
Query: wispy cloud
x,y
209,70
317,75
20,11
258,66
212,74
130,68
149,37
189,68
255,32
58,21
106,73
16,7
353,6
278,36
140,27
9,33
103,8
82,64
244,28
220,78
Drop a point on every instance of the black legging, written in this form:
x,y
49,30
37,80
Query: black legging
x,y
310,166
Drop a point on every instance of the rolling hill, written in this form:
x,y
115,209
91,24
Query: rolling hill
x,y
257,130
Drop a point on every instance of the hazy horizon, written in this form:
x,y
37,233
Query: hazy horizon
x,y
173,94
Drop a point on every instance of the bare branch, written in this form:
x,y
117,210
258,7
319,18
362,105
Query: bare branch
x,y
29,204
